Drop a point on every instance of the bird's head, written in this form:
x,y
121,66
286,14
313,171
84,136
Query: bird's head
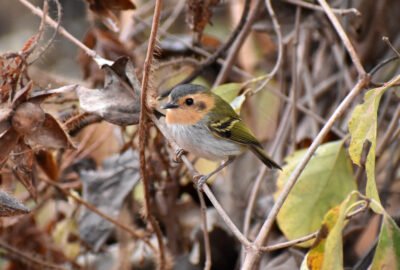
x,y
188,104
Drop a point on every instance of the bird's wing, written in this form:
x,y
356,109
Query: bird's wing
x,y
233,129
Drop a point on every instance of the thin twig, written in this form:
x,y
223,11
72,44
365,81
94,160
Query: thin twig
x,y
221,50
364,205
342,34
26,258
387,41
135,234
38,12
311,6
289,243
277,29
143,132
295,77
53,37
207,247
245,31
252,256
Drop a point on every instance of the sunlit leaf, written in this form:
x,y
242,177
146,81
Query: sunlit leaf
x,y
327,252
324,183
363,128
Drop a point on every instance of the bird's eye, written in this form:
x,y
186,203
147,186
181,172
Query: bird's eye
x,y
189,101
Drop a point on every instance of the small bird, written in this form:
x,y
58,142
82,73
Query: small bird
x,y
205,125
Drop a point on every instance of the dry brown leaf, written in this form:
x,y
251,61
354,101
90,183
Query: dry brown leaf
x,y
50,135
104,9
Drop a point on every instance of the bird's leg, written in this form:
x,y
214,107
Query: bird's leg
x,y
200,180
178,155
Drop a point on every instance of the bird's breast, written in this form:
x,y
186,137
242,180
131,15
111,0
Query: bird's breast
x,y
198,140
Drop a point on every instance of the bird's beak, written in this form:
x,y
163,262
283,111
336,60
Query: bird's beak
x,y
169,105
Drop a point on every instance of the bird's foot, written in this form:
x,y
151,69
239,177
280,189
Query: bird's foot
x,y
178,155
200,180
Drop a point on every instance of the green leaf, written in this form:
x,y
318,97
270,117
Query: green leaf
x,y
363,127
324,183
327,252
228,91
387,254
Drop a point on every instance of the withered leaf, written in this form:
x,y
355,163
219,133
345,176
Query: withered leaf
x,y
118,102
50,135
7,142
106,44
5,114
47,162
107,189
10,206
96,5
23,158
104,9
199,15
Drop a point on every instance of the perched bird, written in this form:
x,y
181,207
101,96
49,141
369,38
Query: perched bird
x,y
205,125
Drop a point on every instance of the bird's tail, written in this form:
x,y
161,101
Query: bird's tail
x,y
259,152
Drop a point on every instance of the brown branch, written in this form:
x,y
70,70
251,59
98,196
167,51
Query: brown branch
x,y
53,37
245,31
135,234
277,29
311,6
225,47
342,34
38,12
143,132
207,247
26,258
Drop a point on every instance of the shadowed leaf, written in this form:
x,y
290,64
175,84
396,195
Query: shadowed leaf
x,y
10,206
107,189
387,253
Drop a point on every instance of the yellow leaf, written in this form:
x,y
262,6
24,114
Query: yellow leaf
x,y
327,251
363,128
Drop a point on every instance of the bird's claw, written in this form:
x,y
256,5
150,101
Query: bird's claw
x,y
178,155
200,180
